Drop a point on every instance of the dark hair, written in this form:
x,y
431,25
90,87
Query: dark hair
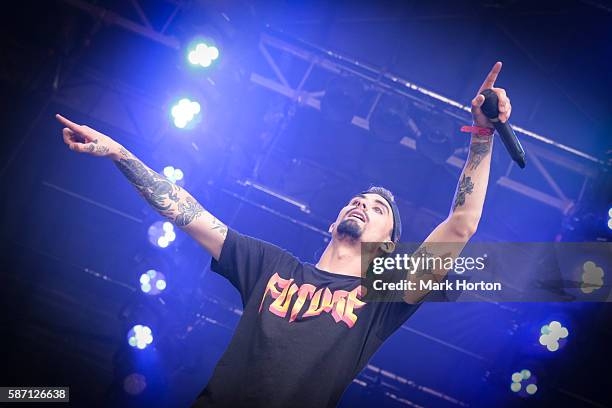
x,y
396,232
381,191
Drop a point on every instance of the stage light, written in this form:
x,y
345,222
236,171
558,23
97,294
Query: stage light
x,y
592,277
184,112
524,383
140,336
134,383
551,333
161,234
202,54
610,218
175,175
152,282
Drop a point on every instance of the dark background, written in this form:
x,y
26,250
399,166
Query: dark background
x,y
74,233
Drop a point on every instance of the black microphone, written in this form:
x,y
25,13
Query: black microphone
x,y
505,132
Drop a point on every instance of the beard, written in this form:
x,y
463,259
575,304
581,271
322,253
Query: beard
x,y
349,228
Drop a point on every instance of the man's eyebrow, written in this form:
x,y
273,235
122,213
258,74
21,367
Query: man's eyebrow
x,y
376,200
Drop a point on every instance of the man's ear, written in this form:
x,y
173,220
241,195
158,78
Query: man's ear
x,y
387,247
331,227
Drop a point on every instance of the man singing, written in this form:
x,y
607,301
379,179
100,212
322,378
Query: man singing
x,y
306,330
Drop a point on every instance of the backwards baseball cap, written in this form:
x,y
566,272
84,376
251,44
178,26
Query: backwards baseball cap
x,y
388,197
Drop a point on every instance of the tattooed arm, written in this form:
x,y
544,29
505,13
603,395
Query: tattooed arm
x,y
449,238
169,199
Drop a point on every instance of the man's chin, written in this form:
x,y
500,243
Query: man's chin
x,y
349,229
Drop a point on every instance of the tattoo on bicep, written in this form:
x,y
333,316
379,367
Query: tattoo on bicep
x,y
465,187
219,226
478,151
189,209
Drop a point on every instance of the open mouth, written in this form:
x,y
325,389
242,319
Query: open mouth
x,y
357,215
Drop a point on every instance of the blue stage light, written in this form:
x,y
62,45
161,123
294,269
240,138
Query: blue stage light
x,y
591,277
524,383
184,112
551,333
610,218
140,336
173,174
202,54
161,234
152,282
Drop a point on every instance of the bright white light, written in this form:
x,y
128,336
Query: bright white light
x,y
213,53
161,234
152,282
551,333
162,242
160,284
140,336
592,277
184,112
523,383
203,55
173,174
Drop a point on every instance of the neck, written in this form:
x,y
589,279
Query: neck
x,y
342,256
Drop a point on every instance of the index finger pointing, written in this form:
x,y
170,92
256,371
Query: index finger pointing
x,y
490,79
69,124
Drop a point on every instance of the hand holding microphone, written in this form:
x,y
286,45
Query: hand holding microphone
x,y
491,108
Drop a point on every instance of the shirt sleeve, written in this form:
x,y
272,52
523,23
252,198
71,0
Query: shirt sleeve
x,y
244,259
392,316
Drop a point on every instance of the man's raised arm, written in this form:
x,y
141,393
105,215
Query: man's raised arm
x,y
170,200
449,238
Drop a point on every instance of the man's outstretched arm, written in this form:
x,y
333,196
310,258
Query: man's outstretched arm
x,y
169,199
449,238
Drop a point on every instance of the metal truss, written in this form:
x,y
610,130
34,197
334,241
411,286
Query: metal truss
x,y
142,27
542,150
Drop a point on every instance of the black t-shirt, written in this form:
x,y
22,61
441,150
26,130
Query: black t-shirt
x,y
304,333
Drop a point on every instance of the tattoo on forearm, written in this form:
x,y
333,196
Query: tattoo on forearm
x,y
219,226
423,253
465,187
189,210
158,191
478,151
